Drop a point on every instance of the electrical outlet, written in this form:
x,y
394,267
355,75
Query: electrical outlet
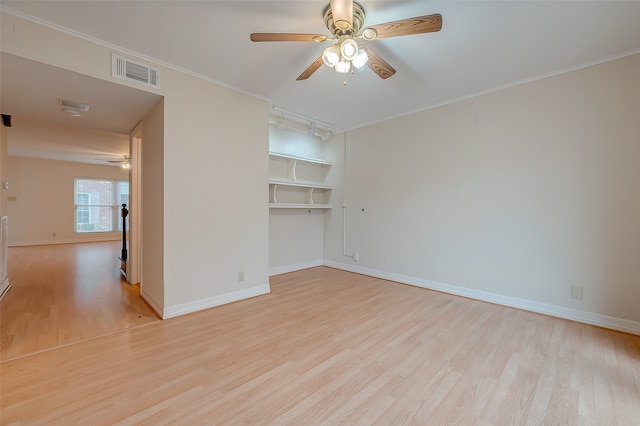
x,y
356,256
240,276
577,292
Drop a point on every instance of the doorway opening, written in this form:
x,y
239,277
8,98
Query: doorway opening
x,y
65,282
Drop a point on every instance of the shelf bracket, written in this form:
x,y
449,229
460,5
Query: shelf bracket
x,y
310,196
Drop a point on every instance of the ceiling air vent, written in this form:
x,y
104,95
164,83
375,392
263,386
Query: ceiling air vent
x,y
74,109
129,70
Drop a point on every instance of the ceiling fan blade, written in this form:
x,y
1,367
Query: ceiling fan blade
x,y
379,65
288,37
311,69
410,26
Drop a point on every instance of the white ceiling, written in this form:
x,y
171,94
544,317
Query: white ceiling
x,y
30,91
483,45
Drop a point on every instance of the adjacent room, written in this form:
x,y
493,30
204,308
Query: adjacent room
x,y
69,164
336,212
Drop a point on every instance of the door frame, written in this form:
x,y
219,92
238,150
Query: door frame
x,y
135,205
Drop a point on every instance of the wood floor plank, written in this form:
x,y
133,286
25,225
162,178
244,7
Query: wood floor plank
x,y
65,293
333,347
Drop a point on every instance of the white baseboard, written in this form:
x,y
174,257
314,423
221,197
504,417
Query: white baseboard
x,y
297,267
585,317
4,287
151,301
93,239
210,302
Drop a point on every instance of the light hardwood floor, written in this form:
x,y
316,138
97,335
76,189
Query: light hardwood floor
x,y
66,293
332,347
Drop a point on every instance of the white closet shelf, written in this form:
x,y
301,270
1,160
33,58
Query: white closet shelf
x,y
299,158
287,191
299,206
298,183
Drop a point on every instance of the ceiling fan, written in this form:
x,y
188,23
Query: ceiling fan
x,y
345,21
124,162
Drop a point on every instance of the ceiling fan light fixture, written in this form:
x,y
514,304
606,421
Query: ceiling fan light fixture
x,y
345,20
349,49
343,66
331,56
361,59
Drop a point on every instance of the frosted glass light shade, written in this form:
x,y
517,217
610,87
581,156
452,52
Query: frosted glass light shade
x,y
343,66
349,49
361,59
331,56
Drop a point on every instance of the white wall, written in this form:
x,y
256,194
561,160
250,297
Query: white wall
x,y
294,140
152,264
216,169
42,200
295,239
214,163
513,196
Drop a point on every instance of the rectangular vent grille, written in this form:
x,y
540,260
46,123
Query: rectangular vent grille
x,y
129,70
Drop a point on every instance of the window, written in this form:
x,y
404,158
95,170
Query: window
x,y
83,213
98,203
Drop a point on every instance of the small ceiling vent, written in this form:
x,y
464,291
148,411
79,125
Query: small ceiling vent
x,y
74,109
63,103
130,70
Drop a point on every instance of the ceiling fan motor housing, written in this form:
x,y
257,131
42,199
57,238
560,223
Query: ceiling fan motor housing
x,y
358,22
